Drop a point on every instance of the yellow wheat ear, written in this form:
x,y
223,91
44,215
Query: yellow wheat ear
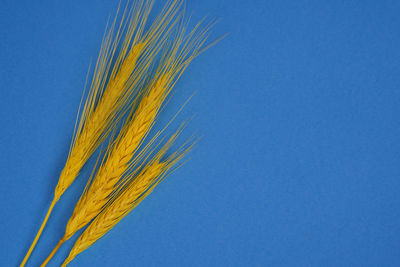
x,y
129,196
115,78
121,154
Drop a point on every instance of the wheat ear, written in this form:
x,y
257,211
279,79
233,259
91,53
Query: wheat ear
x,y
124,79
119,158
121,154
104,102
128,197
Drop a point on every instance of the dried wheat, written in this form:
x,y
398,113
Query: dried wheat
x,y
119,158
109,93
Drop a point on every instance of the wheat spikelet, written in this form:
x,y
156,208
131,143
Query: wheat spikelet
x,y
128,198
109,93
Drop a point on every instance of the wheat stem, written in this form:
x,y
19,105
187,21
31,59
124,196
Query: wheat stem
x,y
38,234
53,252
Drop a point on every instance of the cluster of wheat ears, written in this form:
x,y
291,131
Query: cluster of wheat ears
x,y
137,67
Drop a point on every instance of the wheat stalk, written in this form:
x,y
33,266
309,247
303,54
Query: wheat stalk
x,y
128,198
119,158
109,93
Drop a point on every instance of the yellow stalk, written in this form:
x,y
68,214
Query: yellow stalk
x,y
121,154
91,132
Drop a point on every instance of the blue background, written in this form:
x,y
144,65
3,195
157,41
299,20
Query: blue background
x,y
299,161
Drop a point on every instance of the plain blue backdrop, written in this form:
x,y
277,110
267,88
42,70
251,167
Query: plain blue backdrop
x,y
299,161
